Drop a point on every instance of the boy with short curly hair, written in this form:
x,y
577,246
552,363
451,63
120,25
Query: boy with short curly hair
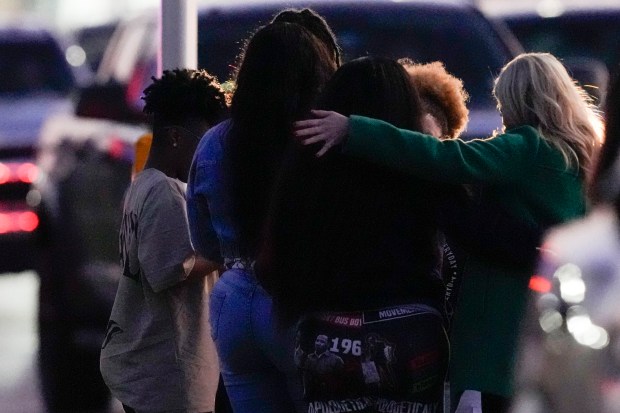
x,y
157,355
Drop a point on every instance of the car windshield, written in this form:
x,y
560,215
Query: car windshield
x,y
32,67
461,38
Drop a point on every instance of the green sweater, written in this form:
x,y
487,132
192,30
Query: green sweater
x,y
522,174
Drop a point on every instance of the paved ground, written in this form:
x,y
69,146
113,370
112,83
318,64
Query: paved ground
x,y
19,389
19,382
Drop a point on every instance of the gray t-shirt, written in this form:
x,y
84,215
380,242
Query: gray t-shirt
x,y
158,355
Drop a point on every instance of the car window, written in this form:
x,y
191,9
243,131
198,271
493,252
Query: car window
x,y
461,38
31,66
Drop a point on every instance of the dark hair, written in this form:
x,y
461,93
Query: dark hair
x,y
315,24
181,94
605,187
283,69
338,222
374,87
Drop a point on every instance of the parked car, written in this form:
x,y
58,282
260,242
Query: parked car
x,y
36,82
85,160
587,39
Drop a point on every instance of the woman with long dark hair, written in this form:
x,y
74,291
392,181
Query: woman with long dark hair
x,y
351,250
283,68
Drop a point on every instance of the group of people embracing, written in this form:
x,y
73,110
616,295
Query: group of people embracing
x,y
337,202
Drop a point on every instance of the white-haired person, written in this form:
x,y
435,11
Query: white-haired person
x,y
535,169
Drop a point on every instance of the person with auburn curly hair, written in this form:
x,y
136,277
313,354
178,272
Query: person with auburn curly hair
x,y
157,354
443,98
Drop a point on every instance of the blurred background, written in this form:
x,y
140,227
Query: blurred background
x,y
71,76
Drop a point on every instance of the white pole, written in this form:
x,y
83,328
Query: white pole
x,y
179,35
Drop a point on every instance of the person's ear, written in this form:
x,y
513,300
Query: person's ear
x,y
173,136
431,126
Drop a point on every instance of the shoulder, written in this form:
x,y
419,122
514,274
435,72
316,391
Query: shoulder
x,y
520,144
149,179
526,132
519,136
157,185
212,141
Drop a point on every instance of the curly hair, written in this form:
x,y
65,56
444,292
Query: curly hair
x,y
185,93
442,94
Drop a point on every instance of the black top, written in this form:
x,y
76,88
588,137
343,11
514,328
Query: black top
x,y
347,235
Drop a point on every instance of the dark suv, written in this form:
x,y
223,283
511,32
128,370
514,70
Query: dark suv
x,y
86,159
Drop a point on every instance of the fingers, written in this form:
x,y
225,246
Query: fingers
x,y
321,113
314,139
308,131
324,149
317,120
308,123
320,129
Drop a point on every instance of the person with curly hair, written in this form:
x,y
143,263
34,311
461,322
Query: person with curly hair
x,y
157,355
443,98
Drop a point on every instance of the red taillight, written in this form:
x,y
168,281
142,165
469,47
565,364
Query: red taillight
x,y
5,173
116,148
18,221
5,223
27,221
25,172
540,284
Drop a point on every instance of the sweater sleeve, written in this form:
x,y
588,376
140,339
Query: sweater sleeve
x,y
501,159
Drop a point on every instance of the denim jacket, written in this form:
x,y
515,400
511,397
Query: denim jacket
x,y
211,224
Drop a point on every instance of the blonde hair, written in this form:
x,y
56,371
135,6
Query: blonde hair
x,y
535,89
443,94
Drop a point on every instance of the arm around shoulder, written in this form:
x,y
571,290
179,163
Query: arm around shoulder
x,y
495,160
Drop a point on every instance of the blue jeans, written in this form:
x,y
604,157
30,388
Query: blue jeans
x,y
256,358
